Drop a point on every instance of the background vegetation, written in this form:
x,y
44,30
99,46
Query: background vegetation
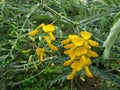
x,y
19,67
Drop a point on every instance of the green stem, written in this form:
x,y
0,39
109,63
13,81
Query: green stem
x,y
32,63
53,11
22,28
72,84
16,83
115,30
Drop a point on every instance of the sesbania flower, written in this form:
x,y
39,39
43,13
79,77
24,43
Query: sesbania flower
x,y
49,29
34,32
87,71
76,40
86,36
40,52
48,37
72,75
52,47
79,51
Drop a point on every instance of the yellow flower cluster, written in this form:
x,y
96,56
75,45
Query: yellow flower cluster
x,y
48,29
79,51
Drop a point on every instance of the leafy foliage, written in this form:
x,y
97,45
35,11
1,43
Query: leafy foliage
x,y
20,68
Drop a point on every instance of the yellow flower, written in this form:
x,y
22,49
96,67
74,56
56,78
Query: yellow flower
x,y
33,33
49,29
68,62
86,60
72,46
86,45
86,35
93,43
80,51
52,47
71,53
68,51
91,53
79,64
72,75
76,40
47,39
40,52
87,71
51,36
66,41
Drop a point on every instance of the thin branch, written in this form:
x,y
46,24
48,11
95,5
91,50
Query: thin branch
x,y
62,17
20,32
16,83
24,65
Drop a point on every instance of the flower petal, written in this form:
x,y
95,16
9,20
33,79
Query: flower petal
x,y
53,47
71,75
40,51
79,43
51,36
47,39
66,41
86,45
76,40
85,34
92,53
68,51
72,46
80,51
33,33
87,72
41,57
77,65
72,55
93,43
68,62
86,60
48,28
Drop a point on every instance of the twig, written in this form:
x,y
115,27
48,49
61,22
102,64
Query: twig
x,y
16,83
62,17
20,32
24,65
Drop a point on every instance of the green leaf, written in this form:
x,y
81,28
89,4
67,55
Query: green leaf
x,y
108,2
